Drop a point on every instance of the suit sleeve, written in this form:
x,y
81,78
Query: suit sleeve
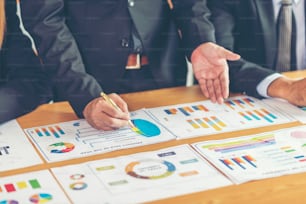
x,y
244,75
45,21
24,85
192,18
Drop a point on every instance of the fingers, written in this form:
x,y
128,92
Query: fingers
x,y
213,90
203,86
224,84
297,92
218,91
102,115
119,101
229,55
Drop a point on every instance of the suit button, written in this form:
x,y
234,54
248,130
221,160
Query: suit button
x,y
124,42
131,3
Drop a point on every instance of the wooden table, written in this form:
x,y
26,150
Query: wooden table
x,y
284,189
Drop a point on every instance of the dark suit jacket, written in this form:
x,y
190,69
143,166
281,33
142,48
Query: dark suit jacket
x,y
85,43
247,27
23,85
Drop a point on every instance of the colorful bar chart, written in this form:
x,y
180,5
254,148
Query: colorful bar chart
x,y
268,113
230,104
254,115
239,162
201,123
207,122
264,116
227,163
249,101
186,110
200,107
241,103
55,131
193,124
171,111
250,160
245,116
20,185
219,122
212,123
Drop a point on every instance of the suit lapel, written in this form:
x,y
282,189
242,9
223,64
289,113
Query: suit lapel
x,y
266,16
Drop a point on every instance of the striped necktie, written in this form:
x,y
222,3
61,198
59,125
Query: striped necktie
x,y
284,29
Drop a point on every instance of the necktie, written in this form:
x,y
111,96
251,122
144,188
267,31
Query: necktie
x,y
284,27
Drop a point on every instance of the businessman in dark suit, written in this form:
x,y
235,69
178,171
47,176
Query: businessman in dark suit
x,y
23,85
250,29
124,46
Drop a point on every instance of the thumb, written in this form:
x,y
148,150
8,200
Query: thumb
x,y
229,55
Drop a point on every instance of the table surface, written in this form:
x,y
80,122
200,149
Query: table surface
x,y
284,189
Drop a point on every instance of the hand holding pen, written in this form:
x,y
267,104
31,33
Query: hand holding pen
x,y
107,112
111,102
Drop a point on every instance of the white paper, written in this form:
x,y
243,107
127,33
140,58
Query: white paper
x,y
34,187
299,113
205,118
258,156
77,138
16,151
140,177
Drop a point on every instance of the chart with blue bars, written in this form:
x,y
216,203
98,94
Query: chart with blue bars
x,y
50,131
205,117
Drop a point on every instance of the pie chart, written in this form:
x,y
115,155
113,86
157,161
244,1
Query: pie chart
x,y
60,147
145,128
150,169
41,198
78,186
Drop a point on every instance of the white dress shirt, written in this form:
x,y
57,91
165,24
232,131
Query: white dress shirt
x,y
298,7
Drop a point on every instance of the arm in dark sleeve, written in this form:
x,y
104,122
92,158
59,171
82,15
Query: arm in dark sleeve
x,y
244,75
24,85
45,21
192,18
21,96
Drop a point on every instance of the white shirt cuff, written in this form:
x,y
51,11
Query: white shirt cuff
x,y
262,87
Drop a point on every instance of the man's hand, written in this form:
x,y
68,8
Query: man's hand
x,y
292,90
102,115
211,70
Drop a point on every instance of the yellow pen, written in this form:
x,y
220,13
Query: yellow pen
x,y
111,102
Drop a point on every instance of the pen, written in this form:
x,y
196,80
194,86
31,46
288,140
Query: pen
x,y
111,102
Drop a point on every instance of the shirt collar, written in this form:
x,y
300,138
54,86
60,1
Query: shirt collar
x,y
294,1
